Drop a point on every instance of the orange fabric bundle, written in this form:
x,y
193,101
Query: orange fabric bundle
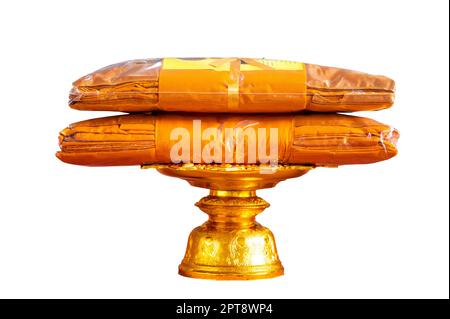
x,y
317,139
229,85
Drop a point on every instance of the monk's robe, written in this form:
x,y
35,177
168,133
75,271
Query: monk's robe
x,y
304,139
229,85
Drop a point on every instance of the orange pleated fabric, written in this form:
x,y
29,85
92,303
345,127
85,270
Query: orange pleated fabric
x,y
313,139
229,85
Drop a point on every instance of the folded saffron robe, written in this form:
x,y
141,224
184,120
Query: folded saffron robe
x,y
313,139
229,85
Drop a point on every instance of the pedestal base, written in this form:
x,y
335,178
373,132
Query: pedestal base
x,y
231,245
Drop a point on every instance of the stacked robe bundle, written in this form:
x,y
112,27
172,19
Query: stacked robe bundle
x,y
300,100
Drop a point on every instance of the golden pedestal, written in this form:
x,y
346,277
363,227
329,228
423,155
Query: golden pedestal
x,y
231,245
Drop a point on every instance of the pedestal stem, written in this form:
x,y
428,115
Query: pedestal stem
x,y
231,244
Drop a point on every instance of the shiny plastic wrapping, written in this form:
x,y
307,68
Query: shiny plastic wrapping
x,y
313,139
229,85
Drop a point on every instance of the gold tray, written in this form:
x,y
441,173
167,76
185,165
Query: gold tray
x,y
231,245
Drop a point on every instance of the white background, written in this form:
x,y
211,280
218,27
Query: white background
x,y
369,231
